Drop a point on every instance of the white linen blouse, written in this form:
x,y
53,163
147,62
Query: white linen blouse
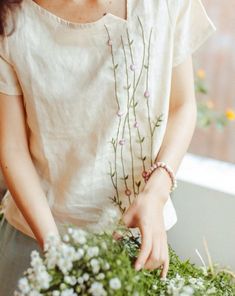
x,y
96,97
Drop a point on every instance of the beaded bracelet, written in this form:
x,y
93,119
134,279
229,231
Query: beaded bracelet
x,y
161,164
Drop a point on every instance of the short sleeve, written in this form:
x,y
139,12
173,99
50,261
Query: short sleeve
x,y
9,83
192,27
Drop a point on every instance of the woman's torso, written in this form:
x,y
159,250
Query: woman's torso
x,y
96,96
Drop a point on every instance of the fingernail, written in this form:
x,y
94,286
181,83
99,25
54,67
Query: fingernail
x,y
138,266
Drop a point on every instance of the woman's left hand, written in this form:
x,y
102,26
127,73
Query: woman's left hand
x,y
146,213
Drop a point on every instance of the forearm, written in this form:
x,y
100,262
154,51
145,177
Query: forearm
x,y
179,131
23,182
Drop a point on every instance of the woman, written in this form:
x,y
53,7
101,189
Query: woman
x,y
92,93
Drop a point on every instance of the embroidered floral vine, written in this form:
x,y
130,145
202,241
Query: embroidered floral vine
x,y
132,82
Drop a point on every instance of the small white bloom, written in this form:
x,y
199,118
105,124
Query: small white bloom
x,y
106,265
34,293
66,238
92,251
187,290
115,283
70,280
79,253
79,236
154,286
68,292
95,264
97,289
86,276
23,285
100,276
80,280
212,290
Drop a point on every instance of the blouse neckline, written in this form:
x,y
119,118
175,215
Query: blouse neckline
x,y
108,16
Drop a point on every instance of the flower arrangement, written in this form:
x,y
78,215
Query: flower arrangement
x,y
100,263
207,113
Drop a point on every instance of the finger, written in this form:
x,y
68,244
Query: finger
x,y
165,264
116,235
165,269
145,249
154,259
127,218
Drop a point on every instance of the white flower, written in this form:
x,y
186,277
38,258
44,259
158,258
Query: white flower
x,y
70,280
34,293
86,276
56,293
115,283
23,285
97,289
154,286
79,236
106,265
104,245
80,280
92,251
68,292
44,279
107,221
66,256
187,290
211,291
79,254
51,240
100,276
66,238
95,265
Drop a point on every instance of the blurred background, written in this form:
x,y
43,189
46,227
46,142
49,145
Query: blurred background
x,y
205,197
215,71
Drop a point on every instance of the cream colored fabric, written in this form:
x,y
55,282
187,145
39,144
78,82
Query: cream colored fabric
x,y
74,82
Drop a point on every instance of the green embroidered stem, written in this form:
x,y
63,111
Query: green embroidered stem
x,y
115,143
128,115
147,101
134,74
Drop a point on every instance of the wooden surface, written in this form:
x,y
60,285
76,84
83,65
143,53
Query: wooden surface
x,y
217,58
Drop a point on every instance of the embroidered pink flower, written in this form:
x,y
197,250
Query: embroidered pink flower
x,y
132,67
120,113
128,192
122,142
136,124
146,94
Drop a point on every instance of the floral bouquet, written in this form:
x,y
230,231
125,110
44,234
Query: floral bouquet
x,y
101,262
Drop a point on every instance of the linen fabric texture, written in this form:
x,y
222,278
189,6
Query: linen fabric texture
x,y
96,97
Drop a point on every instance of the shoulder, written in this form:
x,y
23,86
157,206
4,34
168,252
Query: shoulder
x,y
181,8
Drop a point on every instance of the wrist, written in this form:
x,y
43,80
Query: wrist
x,y
158,183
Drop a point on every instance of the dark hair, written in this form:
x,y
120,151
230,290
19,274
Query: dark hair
x,y
5,7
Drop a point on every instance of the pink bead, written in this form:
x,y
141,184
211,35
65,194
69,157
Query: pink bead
x,y
144,174
110,42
